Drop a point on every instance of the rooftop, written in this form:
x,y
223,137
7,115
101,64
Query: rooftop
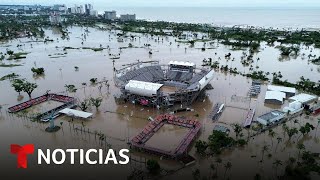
x,y
181,63
275,95
221,128
303,98
281,89
271,115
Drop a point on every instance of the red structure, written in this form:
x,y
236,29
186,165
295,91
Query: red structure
x,y
140,140
41,99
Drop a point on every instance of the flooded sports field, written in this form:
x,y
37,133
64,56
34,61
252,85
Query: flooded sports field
x,y
73,61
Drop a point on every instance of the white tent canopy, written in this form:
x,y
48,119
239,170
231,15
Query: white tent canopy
x,y
76,113
143,88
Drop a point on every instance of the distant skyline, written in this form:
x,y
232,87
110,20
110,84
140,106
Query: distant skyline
x,y
175,3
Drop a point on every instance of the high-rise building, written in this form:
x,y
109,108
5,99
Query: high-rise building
x,y
110,15
55,18
128,17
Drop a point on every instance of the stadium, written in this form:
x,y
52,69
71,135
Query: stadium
x,y
162,86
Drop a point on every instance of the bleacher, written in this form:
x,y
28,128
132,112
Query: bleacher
x,y
175,84
179,76
147,74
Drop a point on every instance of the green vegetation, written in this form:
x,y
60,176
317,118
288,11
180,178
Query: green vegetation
x,y
37,71
9,65
304,84
316,61
23,85
216,142
9,76
286,51
94,49
93,80
70,88
96,102
153,166
84,105
17,84
16,56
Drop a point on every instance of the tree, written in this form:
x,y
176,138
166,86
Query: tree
x,y
301,147
271,134
201,147
153,166
277,163
84,105
29,87
96,102
212,168
196,174
37,71
9,52
237,129
227,166
17,85
257,177
317,127
218,161
292,132
70,88
265,148
93,80
219,140
306,129
279,139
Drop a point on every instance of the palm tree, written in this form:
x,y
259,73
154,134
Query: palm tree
x,y
196,174
279,139
237,129
277,163
301,147
218,161
284,128
271,134
317,127
228,166
257,177
212,168
265,148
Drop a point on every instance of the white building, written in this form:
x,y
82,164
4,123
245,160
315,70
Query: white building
x,y
293,108
110,15
303,98
93,13
128,17
288,90
274,97
55,18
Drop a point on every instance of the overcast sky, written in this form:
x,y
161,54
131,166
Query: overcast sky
x,y
179,3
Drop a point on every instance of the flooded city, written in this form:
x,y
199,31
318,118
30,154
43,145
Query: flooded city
x,y
83,66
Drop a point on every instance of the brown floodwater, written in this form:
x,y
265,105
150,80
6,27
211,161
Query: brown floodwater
x,y
122,122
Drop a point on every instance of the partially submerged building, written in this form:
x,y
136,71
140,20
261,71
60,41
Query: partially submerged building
x,y
303,98
289,91
271,117
275,97
293,108
221,129
162,85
